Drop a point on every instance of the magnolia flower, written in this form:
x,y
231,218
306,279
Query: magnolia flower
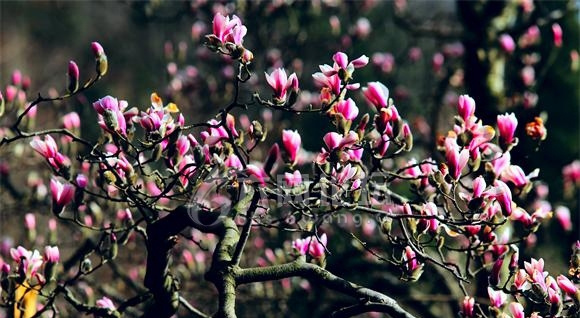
x,y
516,175
28,261
292,141
507,43
467,307
106,303
342,64
97,49
228,29
47,148
51,254
466,107
478,186
557,32
280,83
566,285
517,310
335,140
62,194
503,195
344,174
311,245
534,265
437,61
71,120
506,125
347,108
377,94
496,298
293,179
456,160
563,217
111,117
257,172
412,265
233,161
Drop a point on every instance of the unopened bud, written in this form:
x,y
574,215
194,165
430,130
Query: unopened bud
x,y
98,50
73,77
16,78
272,157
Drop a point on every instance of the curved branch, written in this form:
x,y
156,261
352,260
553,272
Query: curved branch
x,y
323,277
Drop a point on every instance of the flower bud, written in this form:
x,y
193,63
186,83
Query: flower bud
x,y
16,78
98,50
73,77
272,157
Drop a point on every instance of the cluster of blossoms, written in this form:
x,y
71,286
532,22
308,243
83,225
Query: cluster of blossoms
x,y
548,294
228,37
28,265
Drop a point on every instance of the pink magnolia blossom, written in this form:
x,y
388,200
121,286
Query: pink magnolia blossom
x,y
301,245
311,245
520,279
71,120
293,179
47,148
317,247
534,265
496,298
292,142
11,92
214,135
437,61
503,195
106,303
557,33
355,154
507,125
456,160
29,262
501,163
73,71
51,254
228,29
97,49
16,78
478,186
111,117
467,307
516,175
377,94
233,162
280,83
342,63
517,310
257,172
528,75
335,140
344,173
410,258
507,43
566,285
62,194
466,107
563,217
347,108
30,221
571,172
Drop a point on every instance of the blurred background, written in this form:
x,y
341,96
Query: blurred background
x,y
426,52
